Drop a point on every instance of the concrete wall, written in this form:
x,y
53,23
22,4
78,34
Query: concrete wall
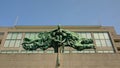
x,y
66,60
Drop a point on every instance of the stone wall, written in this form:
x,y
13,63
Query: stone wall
x,y
65,60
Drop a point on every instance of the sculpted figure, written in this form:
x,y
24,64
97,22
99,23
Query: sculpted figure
x,y
57,38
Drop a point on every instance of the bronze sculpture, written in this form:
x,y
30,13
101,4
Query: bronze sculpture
x,y
58,38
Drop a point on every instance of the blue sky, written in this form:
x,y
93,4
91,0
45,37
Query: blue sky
x,y
64,12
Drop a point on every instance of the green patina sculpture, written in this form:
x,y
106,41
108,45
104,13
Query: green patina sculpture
x,y
57,38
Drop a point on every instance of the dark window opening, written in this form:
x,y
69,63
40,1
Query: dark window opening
x,y
118,48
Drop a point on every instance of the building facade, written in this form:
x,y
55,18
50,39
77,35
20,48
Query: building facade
x,y
106,54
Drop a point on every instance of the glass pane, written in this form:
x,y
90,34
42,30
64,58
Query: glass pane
x,y
66,51
50,51
9,51
92,51
40,51
83,35
80,35
27,35
9,35
88,35
80,51
106,36
98,42
23,51
86,51
7,43
74,51
19,36
101,35
3,51
35,51
17,44
32,36
15,51
96,36
103,43
14,35
12,43
100,51
108,43
111,51
106,51
29,51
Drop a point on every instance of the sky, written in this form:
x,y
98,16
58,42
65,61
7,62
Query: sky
x,y
64,12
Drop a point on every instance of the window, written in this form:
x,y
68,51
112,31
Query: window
x,y
66,51
85,35
31,35
9,51
37,51
13,39
49,51
102,40
84,51
105,51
